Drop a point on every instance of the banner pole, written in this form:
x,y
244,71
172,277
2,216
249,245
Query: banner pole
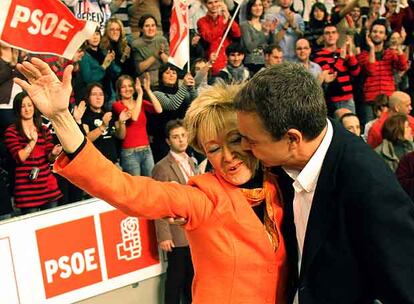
x,y
228,29
189,37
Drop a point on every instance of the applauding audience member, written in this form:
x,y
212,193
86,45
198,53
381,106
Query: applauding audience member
x,y
31,146
136,155
150,50
98,124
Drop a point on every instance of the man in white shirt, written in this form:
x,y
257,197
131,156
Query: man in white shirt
x,y
348,226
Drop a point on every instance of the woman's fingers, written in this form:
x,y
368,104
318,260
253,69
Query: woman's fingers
x,y
31,71
67,77
43,68
26,72
22,83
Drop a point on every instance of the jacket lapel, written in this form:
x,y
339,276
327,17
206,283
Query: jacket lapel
x,y
322,205
176,169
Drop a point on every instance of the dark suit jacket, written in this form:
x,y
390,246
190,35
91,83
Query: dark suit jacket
x,y
168,170
359,243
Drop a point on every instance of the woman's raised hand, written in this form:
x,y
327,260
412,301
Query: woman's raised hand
x,y
78,111
188,80
48,93
138,87
33,136
147,82
124,115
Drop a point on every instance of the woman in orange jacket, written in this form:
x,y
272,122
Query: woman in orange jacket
x,y
233,215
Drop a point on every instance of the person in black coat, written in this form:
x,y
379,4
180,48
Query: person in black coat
x,y
405,173
348,224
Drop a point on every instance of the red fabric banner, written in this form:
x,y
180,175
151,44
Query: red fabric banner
x,y
42,26
179,36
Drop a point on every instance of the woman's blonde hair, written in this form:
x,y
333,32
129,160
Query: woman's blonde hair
x,y
210,114
105,41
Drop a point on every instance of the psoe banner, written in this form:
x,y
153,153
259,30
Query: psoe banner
x,y
43,26
74,252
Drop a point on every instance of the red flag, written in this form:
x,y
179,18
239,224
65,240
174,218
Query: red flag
x,y
179,37
42,26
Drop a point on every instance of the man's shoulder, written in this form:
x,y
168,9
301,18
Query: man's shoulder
x,y
166,161
351,154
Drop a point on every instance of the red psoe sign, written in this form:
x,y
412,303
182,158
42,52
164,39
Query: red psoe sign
x,y
129,243
73,260
43,26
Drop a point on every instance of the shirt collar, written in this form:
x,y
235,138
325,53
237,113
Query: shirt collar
x,y
307,178
179,157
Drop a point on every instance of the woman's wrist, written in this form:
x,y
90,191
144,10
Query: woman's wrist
x,y
28,148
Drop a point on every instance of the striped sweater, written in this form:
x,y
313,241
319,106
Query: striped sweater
x,y
44,189
341,88
171,102
379,76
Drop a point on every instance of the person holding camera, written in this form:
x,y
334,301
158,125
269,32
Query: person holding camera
x,y
30,144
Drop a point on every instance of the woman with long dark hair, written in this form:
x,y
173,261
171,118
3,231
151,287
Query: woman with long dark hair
x,y
318,18
256,35
150,50
175,100
30,144
97,65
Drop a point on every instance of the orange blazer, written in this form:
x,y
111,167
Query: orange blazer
x,y
233,258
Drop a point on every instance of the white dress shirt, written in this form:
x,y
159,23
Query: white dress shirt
x,y
304,185
183,162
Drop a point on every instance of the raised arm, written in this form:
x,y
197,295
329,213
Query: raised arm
x,y
91,171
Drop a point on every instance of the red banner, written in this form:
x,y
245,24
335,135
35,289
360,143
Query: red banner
x,y
179,37
42,26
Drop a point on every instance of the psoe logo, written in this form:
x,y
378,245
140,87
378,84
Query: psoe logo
x,y
69,256
131,247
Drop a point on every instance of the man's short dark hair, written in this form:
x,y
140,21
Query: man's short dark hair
x,y
329,25
285,96
383,22
346,115
171,125
269,49
235,47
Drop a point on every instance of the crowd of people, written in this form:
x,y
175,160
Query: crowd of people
x,y
128,101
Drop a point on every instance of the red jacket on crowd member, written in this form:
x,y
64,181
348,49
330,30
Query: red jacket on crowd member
x,y
379,76
375,135
212,32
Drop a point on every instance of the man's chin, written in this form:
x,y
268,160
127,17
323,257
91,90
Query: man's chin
x,y
266,165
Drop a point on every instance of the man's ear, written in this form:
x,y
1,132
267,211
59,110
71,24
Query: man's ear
x,y
168,141
294,136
